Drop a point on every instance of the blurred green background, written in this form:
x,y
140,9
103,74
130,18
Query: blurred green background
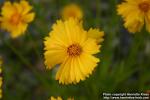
x,y
125,57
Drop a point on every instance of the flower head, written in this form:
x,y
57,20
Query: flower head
x,y
59,98
72,11
68,44
15,17
135,13
53,98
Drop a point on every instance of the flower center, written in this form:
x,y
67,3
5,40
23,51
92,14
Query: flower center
x,y
72,14
15,19
74,50
144,6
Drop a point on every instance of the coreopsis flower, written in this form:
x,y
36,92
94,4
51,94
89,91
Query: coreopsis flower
x,y
59,98
1,78
69,45
72,11
15,17
53,98
135,13
96,34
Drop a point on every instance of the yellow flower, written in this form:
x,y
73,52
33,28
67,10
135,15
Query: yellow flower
x,y
1,78
58,98
70,98
96,34
135,13
72,11
69,45
15,17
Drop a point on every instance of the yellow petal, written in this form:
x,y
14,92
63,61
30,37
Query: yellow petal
x,y
63,72
25,6
72,70
53,57
19,30
96,34
28,17
88,63
147,21
18,8
59,98
55,53
8,9
77,71
90,46
132,15
69,32
134,25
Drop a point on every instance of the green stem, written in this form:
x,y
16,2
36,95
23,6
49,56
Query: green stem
x,y
41,78
132,59
134,50
34,46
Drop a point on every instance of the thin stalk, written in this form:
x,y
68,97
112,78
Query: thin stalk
x,y
34,48
41,77
132,59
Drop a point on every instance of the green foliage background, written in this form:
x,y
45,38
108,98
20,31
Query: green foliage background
x,y
125,57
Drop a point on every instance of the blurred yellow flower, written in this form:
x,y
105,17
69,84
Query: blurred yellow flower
x,y
135,13
58,98
1,81
70,99
73,11
15,17
96,34
68,44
